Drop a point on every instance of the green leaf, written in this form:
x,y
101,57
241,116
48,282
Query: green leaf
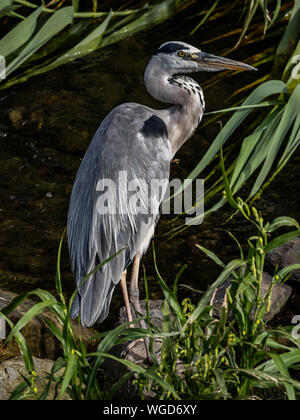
x,y
290,37
282,221
14,303
254,150
169,294
7,6
266,89
157,14
89,44
211,255
289,116
54,329
68,374
229,195
281,240
26,354
55,23
4,4
75,4
251,107
284,372
33,311
206,16
204,301
219,374
20,34
146,372
58,275
289,359
109,340
287,270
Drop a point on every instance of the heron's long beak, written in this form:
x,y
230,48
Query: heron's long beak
x,y
213,62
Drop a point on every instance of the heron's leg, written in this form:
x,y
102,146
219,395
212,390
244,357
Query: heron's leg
x,y
134,298
125,297
134,284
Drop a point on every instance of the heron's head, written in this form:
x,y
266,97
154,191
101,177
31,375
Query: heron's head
x,y
178,57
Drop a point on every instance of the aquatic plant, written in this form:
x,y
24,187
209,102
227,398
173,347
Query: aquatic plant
x,y
271,141
48,37
76,371
237,355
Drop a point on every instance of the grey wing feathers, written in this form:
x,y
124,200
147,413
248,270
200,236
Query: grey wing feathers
x,y
131,145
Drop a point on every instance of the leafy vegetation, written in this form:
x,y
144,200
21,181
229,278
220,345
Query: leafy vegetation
x,y
202,357
64,34
238,355
76,371
266,148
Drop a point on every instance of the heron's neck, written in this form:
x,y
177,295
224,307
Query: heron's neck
x,y
185,94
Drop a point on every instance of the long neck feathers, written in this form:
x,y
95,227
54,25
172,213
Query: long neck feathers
x,y
184,94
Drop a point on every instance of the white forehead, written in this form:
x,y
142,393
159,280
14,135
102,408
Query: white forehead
x,y
187,47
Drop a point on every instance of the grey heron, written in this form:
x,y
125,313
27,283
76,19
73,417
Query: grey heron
x,y
139,143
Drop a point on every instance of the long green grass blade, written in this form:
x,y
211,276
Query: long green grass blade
x,y
4,4
211,255
26,354
155,15
288,118
283,221
289,269
168,293
253,150
284,372
206,16
281,240
7,7
89,44
33,311
20,34
204,301
56,23
68,374
263,91
289,359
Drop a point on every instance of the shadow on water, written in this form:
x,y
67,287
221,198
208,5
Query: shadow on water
x,y
46,125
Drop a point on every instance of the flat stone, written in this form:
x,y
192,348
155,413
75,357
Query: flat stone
x,y
280,294
285,255
39,339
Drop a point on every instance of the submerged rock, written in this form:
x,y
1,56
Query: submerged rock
x,y
39,339
285,255
280,295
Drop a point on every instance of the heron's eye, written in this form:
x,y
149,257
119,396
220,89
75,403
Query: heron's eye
x,y
181,54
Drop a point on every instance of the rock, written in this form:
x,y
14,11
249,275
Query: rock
x,y
39,339
16,117
156,315
279,297
137,354
10,376
285,255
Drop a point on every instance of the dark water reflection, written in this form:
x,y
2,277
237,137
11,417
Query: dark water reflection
x,y
46,125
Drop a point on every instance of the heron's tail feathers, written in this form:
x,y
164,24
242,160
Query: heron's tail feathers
x,y
93,299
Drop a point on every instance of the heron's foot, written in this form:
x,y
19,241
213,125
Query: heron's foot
x,y
138,351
